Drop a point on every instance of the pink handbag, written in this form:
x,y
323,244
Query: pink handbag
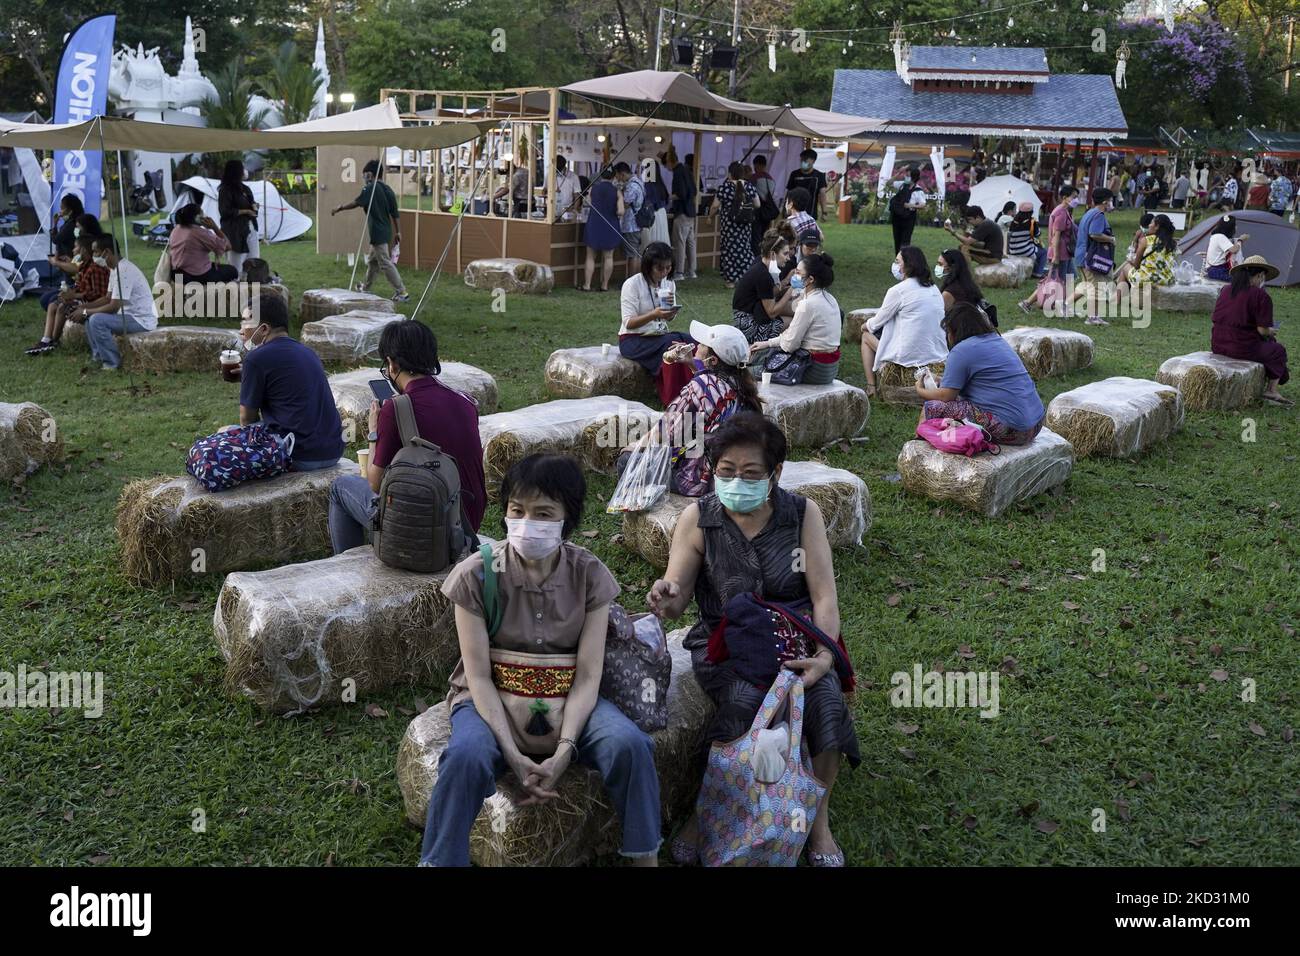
x,y
956,437
745,822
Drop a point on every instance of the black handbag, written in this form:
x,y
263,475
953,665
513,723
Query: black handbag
x,y
788,368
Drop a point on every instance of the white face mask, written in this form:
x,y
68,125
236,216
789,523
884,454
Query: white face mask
x,y
774,268
938,272
534,540
101,261
897,271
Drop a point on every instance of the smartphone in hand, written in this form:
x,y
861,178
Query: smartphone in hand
x,y
381,389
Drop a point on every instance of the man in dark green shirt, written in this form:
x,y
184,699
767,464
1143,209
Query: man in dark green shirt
x,y
384,228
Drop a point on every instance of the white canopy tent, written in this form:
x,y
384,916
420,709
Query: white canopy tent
x,y
277,221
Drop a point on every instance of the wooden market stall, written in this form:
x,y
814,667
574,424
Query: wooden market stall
x,y
456,203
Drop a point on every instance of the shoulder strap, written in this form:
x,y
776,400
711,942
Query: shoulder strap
x,y
491,602
406,426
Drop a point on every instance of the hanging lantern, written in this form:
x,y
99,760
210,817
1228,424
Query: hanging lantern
x,y
772,39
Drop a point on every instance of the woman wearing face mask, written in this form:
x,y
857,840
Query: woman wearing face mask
x,y
553,600
648,302
817,323
1155,265
74,225
1061,235
721,386
759,302
956,280
905,329
739,540
984,381
91,289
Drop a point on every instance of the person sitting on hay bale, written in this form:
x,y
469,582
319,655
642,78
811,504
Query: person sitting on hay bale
x,y
543,636
957,284
720,387
443,416
739,540
816,327
190,244
91,289
1224,244
649,302
983,244
129,306
1244,328
284,385
984,381
905,330
762,299
1155,264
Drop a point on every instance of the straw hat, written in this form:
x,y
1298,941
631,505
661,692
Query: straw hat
x,y
1270,271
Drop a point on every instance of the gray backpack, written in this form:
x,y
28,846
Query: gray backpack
x,y
420,525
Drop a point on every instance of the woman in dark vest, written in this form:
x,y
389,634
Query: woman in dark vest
x,y
238,214
753,535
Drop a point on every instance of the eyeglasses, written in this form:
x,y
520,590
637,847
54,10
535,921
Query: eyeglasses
x,y
383,373
748,474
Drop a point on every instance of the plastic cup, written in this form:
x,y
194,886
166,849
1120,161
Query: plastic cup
x,y
767,379
230,365
604,350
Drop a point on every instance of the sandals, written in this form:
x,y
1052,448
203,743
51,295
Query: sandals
x,y
1279,401
684,852
835,859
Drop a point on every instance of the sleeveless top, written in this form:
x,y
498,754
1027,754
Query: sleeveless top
x,y
734,565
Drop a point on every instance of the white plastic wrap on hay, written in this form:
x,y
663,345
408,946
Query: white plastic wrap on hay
x,y
813,415
1022,264
1209,381
601,442
350,337
583,372
1048,352
854,322
513,275
842,496
171,527
292,636
988,484
1117,417
1198,296
352,393
889,391
29,438
580,825
316,304
999,275
551,427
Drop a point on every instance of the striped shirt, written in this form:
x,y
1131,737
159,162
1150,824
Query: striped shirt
x,y
1020,240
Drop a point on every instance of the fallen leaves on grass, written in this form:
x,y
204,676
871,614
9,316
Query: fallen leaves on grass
x,y
374,710
1257,730
1047,826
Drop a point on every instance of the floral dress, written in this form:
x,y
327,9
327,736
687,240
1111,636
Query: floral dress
x,y
1156,268
737,250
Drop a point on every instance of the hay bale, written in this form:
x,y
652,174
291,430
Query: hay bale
x,y
896,384
292,636
317,304
580,825
348,338
247,290
74,338
842,496
1118,417
513,275
1198,296
29,438
176,348
988,484
551,427
1209,381
814,415
1023,265
603,440
170,528
352,393
998,275
1048,352
583,372
855,322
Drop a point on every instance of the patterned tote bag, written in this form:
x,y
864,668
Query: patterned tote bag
x,y
744,822
237,455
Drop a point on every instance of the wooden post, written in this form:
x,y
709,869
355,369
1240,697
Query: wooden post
x,y
553,132
695,172
1060,168
1092,168
437,166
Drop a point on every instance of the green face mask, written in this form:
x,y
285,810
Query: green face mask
x,y
742,495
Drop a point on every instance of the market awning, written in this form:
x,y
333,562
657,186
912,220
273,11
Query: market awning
x,y
344,129
682,89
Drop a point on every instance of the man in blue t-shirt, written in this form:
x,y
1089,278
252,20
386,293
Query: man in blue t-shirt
x,y
283,384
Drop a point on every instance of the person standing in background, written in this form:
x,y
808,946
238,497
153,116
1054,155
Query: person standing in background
x,y
809,178
903,206
384,229
1182,186
683,210
237,213
768,210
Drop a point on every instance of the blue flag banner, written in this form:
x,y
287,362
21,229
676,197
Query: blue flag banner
x,y
81,94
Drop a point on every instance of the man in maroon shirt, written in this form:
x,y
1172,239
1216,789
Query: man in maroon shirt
x,y
444,416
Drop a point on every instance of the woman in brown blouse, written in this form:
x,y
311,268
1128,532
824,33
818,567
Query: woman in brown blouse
x,y
553,599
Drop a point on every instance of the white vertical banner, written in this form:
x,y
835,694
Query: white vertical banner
x,y
936,160
886,170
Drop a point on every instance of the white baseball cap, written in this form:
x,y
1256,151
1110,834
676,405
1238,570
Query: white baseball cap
x,y
727,342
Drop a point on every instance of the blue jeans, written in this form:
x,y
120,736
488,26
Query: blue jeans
x,y
1040,262
100,329
469,767
352,511
300,465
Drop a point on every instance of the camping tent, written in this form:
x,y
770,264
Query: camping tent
x,y
277,221
1270,236
996,191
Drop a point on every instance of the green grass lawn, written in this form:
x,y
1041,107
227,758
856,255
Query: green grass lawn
x,y
1111,696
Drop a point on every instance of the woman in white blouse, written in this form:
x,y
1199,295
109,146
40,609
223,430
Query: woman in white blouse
x,y
1223,250
817,321
906,329
648,304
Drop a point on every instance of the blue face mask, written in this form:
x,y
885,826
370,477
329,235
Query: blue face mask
x,y
796,280
741,495
699,365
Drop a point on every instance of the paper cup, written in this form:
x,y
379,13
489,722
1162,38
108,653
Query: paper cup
x,y
767,379
363,459
604,350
